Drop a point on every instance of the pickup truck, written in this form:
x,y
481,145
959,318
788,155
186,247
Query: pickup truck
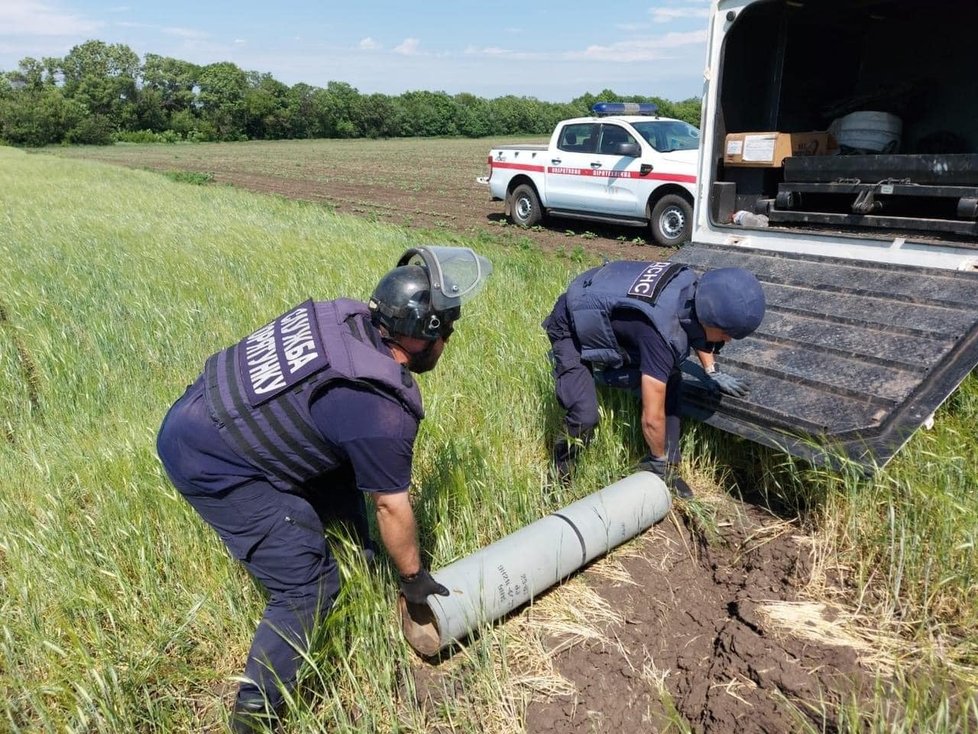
x,y
867,250
625,165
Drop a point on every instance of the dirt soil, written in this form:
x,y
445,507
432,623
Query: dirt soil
x,y
696,616
381,180
466,210
696,649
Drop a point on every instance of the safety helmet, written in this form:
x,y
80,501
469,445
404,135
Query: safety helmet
x,y
423,295
730,299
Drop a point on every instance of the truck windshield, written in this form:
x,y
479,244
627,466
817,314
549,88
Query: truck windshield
x,y
669,135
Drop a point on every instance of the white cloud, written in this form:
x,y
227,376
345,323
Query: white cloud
x,y
667,15
187,33
645,49
488,51
369,44
649,49
32,18
408,47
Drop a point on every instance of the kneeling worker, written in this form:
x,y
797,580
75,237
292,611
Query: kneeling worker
x,y
631,325
292,425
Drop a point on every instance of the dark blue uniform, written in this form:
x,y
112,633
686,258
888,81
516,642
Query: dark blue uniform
x,y
614,324
648,354
273,524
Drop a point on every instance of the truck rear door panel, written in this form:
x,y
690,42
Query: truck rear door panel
x,y
852,357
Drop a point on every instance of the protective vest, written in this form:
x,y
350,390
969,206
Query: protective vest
x,y
663,292
259,391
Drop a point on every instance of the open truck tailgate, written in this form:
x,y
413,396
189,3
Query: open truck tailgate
x,y
852,356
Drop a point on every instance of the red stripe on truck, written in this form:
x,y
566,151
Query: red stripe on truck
x,y
601,173
518,166
594,172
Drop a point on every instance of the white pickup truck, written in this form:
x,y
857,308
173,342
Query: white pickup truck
x,y
625,165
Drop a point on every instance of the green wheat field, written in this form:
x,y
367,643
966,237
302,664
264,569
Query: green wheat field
x,y
121,612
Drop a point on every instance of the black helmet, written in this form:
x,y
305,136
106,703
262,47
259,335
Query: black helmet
x,y
423,295
401,303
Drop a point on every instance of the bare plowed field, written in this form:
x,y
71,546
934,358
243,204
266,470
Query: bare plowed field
x,y
718,636
422,183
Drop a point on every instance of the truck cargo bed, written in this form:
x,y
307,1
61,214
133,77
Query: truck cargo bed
x,y
851,359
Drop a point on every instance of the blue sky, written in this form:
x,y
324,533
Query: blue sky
x,y
554,51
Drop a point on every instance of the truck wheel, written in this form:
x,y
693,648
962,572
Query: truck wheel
x,y
671,221
524,207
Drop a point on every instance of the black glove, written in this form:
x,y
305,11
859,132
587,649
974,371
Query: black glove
x,y
727,384
668,473
417,587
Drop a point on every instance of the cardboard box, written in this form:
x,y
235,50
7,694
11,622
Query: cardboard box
x,y
769,149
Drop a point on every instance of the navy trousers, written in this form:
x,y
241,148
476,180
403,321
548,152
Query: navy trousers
x,y
575,383
279,538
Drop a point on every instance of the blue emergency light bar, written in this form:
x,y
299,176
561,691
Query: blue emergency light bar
x,y
624,108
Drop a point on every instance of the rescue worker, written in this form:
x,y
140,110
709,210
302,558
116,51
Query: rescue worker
x,y
292,426
631,325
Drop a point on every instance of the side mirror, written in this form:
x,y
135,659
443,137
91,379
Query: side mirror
x,y
630,149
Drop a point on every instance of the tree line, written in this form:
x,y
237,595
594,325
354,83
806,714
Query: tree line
x,y
101,93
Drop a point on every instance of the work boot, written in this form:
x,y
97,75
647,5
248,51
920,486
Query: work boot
x,y
680,488
563,460
565,452
564,457
251,716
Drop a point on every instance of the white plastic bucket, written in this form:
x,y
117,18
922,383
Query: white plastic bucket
x,y
876,132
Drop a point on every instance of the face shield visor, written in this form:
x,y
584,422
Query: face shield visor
x,y
456,275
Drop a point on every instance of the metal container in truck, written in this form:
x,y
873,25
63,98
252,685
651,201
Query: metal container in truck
x,y
839,163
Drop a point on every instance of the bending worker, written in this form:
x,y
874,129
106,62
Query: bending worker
x,y
291,426
631,325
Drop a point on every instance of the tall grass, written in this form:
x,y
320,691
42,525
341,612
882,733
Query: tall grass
x,y
120,611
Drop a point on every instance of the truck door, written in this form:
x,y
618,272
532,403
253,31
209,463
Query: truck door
x,y
568,168
614,185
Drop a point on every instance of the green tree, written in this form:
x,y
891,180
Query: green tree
x,y
266,113
150,114
689,110
302,111
473,116
380,117
428,113
102,78
221,99
524,115
32,74
337,110
167,84
36,116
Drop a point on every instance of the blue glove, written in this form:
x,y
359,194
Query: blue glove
x,y
728,384
668,473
